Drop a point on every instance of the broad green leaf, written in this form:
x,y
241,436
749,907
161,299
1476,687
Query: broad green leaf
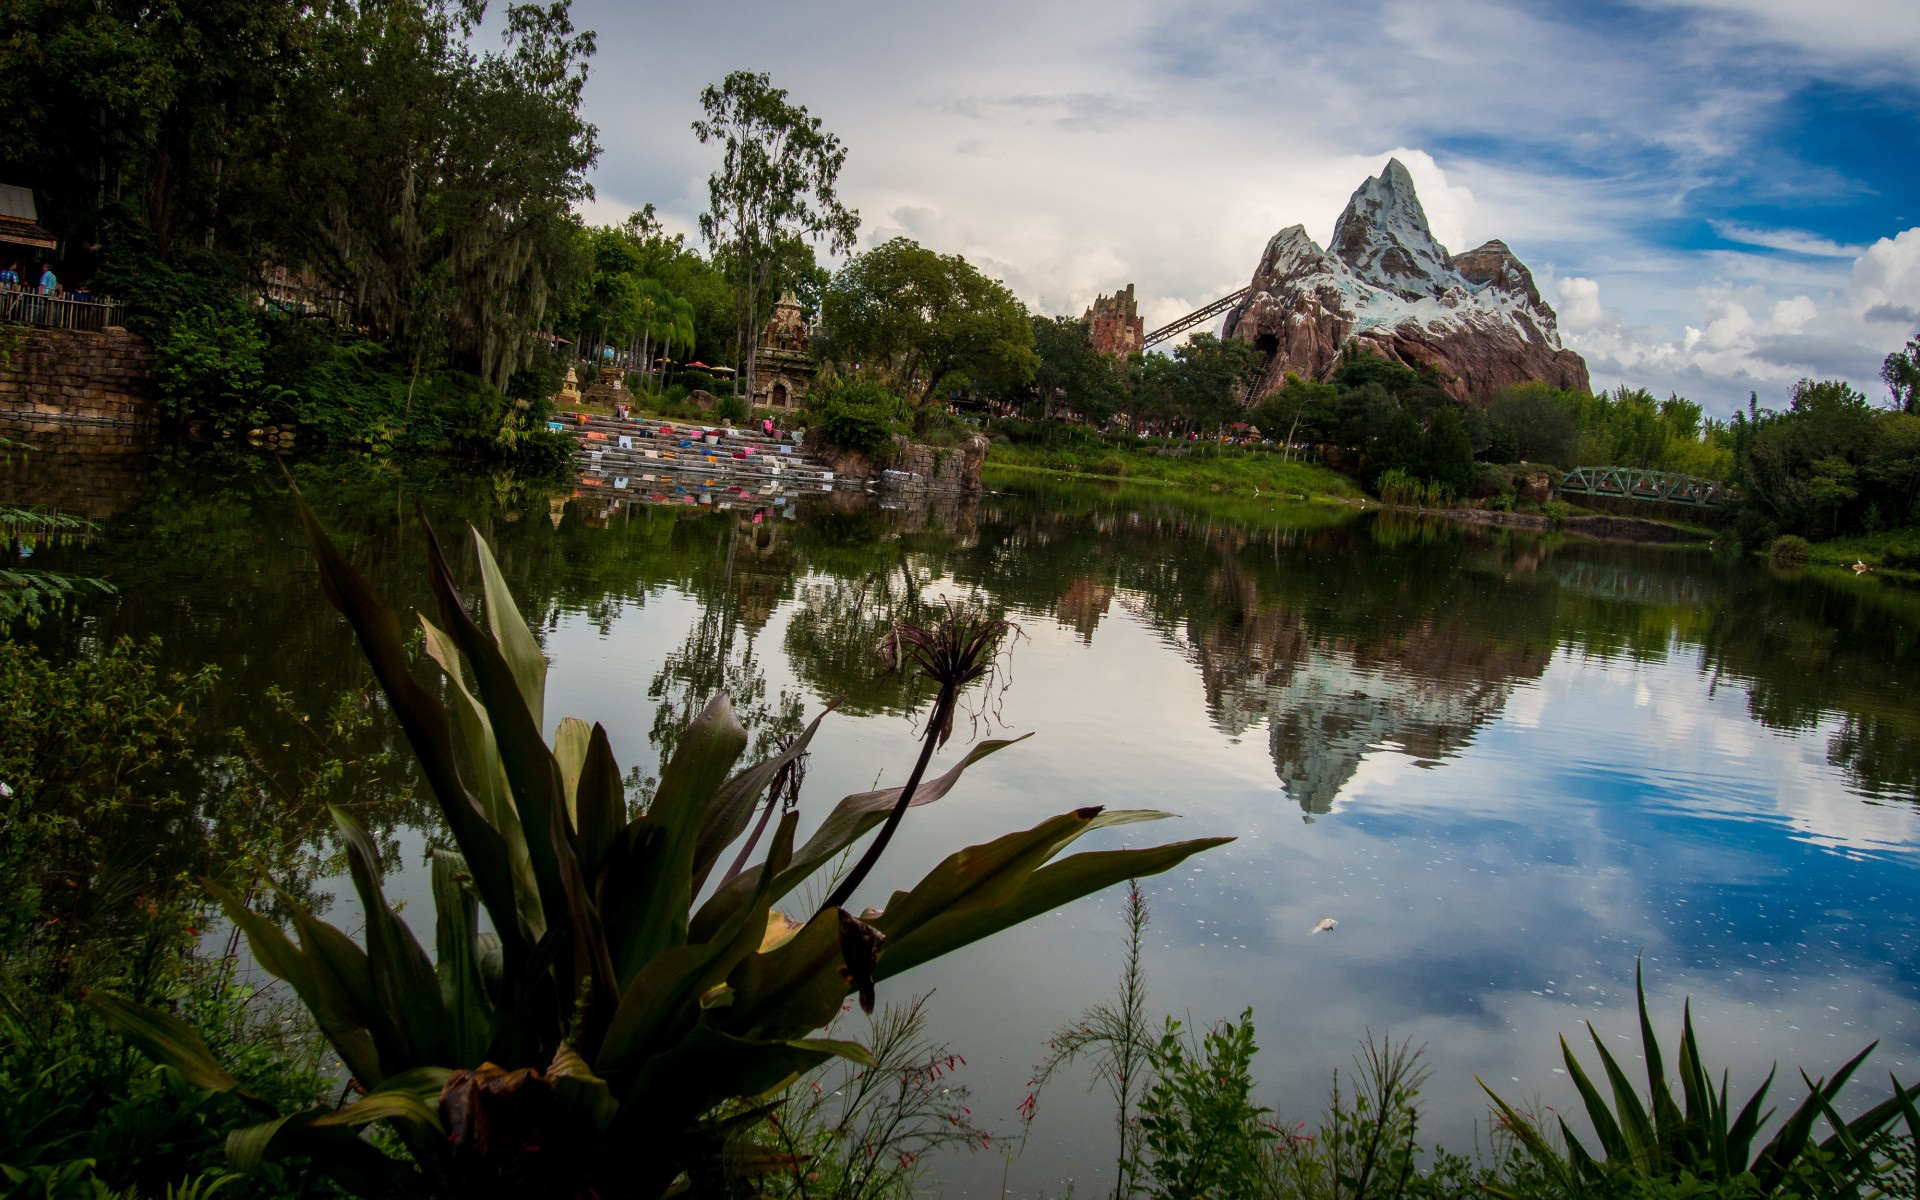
x,y
534,778
853,817
1635,1125
510,631
1044,890
427,726
790,990
463,992
663,997
164,1038
570,739
734,802
403,976
990,874
600,805
488,778
1612,1143
647,900
338,1018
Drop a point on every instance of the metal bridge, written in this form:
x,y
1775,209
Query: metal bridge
x,y
1635,484
1195,317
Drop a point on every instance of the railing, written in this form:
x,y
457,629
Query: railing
x,y
58,312
1635,484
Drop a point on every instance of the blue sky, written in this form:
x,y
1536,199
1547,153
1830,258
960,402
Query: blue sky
x,y
1717,196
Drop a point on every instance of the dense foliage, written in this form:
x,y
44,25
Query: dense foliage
x,y
363,167
923,322
1829,464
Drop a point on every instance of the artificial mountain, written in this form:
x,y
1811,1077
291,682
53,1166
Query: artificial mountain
x,y
1387,287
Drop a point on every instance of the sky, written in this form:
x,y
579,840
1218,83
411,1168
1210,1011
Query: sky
x,y
1717,196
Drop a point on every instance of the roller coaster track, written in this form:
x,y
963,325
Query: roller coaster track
x,y
1198,315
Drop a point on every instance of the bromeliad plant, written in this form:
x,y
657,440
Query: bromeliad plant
x,y
1706,1142
608,1033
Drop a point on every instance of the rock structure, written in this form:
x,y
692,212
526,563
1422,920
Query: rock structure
x,y
77,376
1386,286
1115,326
782,368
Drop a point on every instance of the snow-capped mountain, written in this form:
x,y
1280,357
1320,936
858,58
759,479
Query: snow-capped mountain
x,y
1475,317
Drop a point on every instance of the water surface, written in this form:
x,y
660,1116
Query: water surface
x,y
1507,766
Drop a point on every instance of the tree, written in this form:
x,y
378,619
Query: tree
x,y
776,181
1070,373
1540,421
1402,447
1449,456
1901,371
929,319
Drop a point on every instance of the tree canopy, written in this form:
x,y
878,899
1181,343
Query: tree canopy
x,y
928,320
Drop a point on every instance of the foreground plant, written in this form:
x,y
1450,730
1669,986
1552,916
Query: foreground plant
x,y
1705,1141
608,1035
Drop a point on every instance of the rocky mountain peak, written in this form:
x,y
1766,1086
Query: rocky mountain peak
x,y
1383,235
1475,318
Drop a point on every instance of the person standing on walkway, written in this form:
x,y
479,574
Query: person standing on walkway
x,y
9,278
49,283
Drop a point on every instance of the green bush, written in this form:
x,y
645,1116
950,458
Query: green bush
x,y
858,415
732,408
1396,486
210,364
1202,1134
1557,512
1788,550
1109,465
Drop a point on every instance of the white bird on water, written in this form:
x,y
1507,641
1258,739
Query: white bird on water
x,y
1325,926
1860,567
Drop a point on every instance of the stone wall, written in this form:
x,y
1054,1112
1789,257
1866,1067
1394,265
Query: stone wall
x,y
916,468
90,469
77,376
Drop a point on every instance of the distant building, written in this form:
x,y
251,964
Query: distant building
x,y
20,222
1115,326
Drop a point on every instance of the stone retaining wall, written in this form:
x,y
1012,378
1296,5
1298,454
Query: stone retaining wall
x,y
104,377
88,468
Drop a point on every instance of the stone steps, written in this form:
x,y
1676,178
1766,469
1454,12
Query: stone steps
x,y
671,462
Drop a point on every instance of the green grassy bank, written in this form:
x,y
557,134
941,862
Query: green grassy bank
x,y
1228,469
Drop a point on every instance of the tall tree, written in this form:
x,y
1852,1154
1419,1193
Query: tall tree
x,y
777,179
1901,372
930,319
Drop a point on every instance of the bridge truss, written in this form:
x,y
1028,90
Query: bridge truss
x,y
1196,317
1635,484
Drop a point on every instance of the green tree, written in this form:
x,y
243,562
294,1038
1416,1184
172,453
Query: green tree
x,y
1901,371
776,182
1402,447
1449,455
1070,374
928,319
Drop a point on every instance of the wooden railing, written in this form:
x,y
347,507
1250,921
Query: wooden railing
x,y
58,312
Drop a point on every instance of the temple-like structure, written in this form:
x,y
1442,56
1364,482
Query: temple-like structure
x,y
1114,325
782,369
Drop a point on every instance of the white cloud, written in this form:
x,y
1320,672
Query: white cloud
x,y
1743,335
1794,241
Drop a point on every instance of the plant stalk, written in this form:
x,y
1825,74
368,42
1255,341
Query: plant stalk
x,y
941,707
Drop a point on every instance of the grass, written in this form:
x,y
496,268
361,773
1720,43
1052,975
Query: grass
x,y
1231,470
1889,552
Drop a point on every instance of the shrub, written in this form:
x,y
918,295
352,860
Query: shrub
x,y
1396,486
1109,465
858,415
1201,1131
1557,512
731,408
1788,550
211,366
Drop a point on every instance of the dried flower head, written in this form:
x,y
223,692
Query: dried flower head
x,y
962,645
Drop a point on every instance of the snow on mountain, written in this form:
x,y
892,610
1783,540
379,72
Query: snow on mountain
x,y
1476,317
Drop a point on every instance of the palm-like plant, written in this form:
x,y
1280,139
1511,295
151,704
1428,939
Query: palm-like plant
x,y
1706,1140
608,1033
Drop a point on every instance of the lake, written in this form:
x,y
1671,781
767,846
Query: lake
x,y
1507,766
